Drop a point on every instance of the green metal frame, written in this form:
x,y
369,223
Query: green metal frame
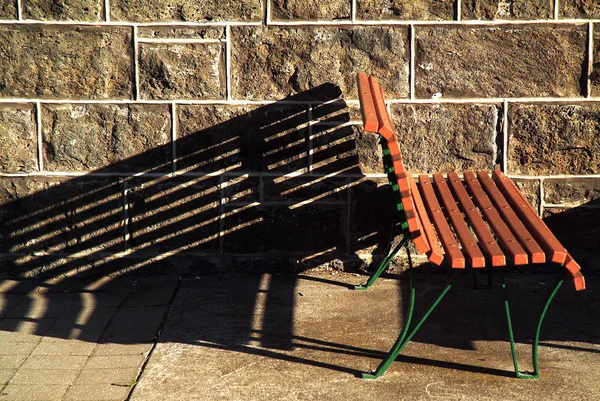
x,y
407,334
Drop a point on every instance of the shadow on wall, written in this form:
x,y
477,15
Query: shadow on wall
x,y
247,195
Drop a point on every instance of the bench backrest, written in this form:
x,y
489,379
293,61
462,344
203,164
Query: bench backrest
x,y
376,119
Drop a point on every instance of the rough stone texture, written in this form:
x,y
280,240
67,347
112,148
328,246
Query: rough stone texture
x,y
162,32
579,9
334,150
8,10
186,10
241,190
174,214
86,62
594,74
274,62
310,9
242,138
312,190
175,71
306,230
507,9
447,137
113,137
554,139
531,190
578,229
60,216
405,9
64,10
499,61
369,153
18,139
572,192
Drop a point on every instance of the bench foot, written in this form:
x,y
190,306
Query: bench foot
x,y
534,347
383,265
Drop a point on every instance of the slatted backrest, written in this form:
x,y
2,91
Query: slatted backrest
x,y
375,114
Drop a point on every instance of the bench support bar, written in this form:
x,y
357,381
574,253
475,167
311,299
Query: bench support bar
x,y
534,347
405,337
384,263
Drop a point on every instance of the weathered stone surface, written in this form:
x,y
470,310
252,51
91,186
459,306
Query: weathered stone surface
x,y
572,192
447,137
113,137
336,113
176,71
554,139
310,9
370,157
595,72
86,62
163,32
186,10
334,150
242,138
274,62
579,9
502,9
281,230
8,10
313,190
405,9
64,10
60,216
241,190
18,139
499,61
578,229
531,190
174,214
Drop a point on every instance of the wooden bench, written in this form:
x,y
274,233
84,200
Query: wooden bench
x,y
473,222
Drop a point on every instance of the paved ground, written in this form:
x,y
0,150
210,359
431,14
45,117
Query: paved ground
x,y
260,337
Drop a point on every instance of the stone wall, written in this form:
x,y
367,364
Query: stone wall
x,y
209,135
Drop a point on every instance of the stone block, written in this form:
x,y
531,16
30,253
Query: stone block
x,y
334,150
44,376
64,10
119,376
264,66
187,10
18,139
406,9
579,9
447,137
572,192
309,189
335,113
126,138
594,74
241,190
578,229
554,139
531,190
98,392
370,157
8,10
174,214
305,230
270,138
115,361
182,71
56,362
64,216
501,9
59,62
503,61
28,392
169,32
310,9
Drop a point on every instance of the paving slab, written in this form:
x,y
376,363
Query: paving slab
x,y
269,337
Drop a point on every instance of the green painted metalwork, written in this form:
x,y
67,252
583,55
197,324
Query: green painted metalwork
x,y
534,347
384,264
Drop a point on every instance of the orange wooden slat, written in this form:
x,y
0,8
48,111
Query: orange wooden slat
x,y
574,269
435,254
507,240
469,243
457,260
527,240
367,107
530,218
412,216
486,239
385,125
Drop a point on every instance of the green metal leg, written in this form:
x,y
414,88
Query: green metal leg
x,y
404,339
534,347
384,264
